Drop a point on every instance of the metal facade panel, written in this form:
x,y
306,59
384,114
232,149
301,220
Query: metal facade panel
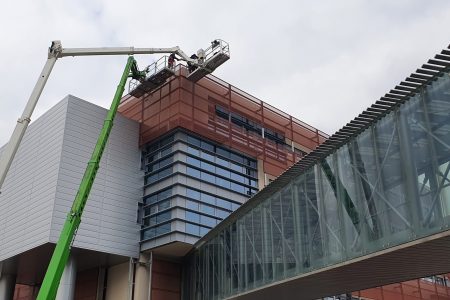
x,y
109,221
28,193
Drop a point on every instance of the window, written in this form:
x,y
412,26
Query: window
x,y
165,172
207,156
208,198
193,151
165,216
203,230
222,162
166,141
207,167
222,172
206,209
192,229
234,206
222,112
166,151
223,203
165,194
207,146
165,161
163,205
194,141
208,177
223,152
223,183
222,213
238,188
192,205
207,221
193,161
193,172
151,199
192,194
192,217
238,178
249,125
148,233
162,229
157,176
236,167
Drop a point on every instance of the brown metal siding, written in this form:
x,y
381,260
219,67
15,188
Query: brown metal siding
x,y
181,103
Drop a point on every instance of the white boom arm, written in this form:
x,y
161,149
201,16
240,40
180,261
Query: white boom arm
x,y
56,51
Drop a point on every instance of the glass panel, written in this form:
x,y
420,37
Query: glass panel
x,y
192,205
222,213
277,236
314,225
436,104
165,194
193,151
207,156
268,244
391,179
207,167
208,177
164,205
194,141
203,230
365,166
223,203
193,172
193,161
329,210
207,209
207,146
192,229
208,198
352,203
192,217
166,151
234,258
249,249
288,230
193,194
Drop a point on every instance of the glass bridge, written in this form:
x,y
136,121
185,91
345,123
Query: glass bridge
x,y
380,182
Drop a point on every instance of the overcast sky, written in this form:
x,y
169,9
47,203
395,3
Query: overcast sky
x,y
321,61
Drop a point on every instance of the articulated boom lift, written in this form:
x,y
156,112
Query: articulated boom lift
x,y
149,79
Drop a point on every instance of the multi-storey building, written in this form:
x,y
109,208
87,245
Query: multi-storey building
x,y
179,161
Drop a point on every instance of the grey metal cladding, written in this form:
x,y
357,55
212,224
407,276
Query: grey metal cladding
x,y
26,202
45,175
109,220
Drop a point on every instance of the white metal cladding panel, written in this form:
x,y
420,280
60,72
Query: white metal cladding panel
x,y
109,220
28,193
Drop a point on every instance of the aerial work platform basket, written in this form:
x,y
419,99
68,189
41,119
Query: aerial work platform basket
x,y
215,55
200,65
158,73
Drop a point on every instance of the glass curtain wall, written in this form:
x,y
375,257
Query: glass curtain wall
x,y
387,186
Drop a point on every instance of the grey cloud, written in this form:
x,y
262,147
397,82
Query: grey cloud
x,y
321,61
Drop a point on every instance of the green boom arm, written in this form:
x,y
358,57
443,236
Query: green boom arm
x,y
61,254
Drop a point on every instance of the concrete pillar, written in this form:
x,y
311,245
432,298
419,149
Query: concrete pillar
x,y
142,279
117,282
66,289
7,284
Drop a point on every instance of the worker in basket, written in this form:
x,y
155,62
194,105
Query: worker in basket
x,y
171,61
191,66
